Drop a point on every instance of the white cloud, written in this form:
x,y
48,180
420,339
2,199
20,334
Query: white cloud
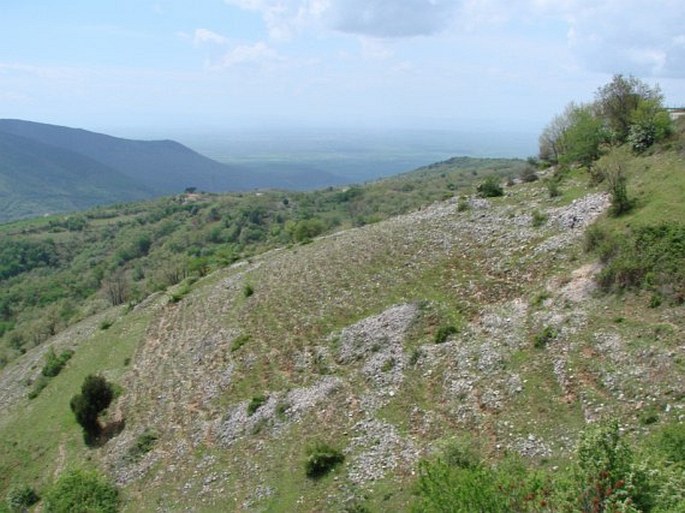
x,y
390,18
375,49
607,36
285,18
374,18
203,35
624,36
257,53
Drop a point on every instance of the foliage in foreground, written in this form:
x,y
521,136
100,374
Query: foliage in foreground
x,y
605,477
21,497
82,491
647,257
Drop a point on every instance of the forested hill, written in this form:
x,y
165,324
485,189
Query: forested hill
x,y
36,178
49,168
162,166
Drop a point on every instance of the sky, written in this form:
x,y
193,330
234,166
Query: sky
x,y
141,66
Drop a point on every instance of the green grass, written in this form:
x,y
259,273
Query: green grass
x,y
40,434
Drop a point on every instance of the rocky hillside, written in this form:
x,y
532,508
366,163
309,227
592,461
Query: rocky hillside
x,y
473,315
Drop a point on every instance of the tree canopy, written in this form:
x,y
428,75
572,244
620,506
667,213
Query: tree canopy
x,y
626,110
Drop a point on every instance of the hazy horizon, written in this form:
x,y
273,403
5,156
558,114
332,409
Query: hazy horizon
x,y
132,67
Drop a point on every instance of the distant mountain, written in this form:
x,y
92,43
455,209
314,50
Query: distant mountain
x,y
36,179
162,166
49,168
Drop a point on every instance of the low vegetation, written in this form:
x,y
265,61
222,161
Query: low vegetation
x,y
605,475
81,491
322,458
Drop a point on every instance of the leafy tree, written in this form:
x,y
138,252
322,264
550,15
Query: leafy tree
x,y
618,100
96,395
583,137
650,123
551,141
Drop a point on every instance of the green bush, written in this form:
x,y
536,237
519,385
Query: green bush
x,y
553,186
502,488
538,218
143,444
81,491
321,459
239,342
543,338
106,324
96,395
490,188
444,333
463,204
255,403
21,497
671,443
248,290
606,477
54,364
528,174
648,257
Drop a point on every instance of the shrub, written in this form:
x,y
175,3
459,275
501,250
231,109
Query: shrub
x,y
54,364
81,491
321,459
605,475
256,403
543,338
239,342
552,183
21,497
538,218
463,204
143,444
648,257
528,174
671,443
248,290
490,188
106,324
38,386
503,488
612,168
96,395
444,333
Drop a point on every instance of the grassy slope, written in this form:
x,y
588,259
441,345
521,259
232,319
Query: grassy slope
x,y
609,352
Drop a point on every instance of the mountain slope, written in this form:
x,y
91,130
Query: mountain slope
x,y
36,178
339,337
162,166
152,168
